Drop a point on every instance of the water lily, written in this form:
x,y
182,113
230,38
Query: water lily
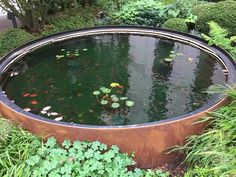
x,y
114,84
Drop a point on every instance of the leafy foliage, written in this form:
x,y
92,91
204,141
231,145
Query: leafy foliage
x,y
223,13
82,159
32,14
219,36
113,99
13,38
177,24
69,20
16,145
215,150
145,12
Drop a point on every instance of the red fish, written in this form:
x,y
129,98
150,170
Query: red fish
x,y
34,102
26,94
33,95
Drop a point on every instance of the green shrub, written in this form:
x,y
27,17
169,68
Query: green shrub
x,y
83,159
16,145
176,24
145,12
13,38
72,19
223,13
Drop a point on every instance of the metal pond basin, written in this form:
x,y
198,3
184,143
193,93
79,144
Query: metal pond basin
x,y
148,139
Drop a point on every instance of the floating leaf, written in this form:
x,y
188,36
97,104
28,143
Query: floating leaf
x,y
179,54
96,92
168,59
123,98
104,102
129,103
115,105
103,88
85,49
115,99
172,55
113,96
106,90
63,50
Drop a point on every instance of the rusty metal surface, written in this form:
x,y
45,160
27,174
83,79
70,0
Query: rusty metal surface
x,y
148,142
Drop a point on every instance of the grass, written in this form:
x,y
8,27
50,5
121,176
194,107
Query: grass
x,y
214,151
16,145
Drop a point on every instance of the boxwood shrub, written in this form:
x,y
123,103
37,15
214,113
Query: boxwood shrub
x,y
176,24
223,13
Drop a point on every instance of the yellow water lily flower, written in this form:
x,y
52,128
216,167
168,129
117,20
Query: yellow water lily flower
x,y
114,84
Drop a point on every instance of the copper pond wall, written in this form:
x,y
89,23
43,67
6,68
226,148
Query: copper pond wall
x,y
149,141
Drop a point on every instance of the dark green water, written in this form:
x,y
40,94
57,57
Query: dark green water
x,y
159,89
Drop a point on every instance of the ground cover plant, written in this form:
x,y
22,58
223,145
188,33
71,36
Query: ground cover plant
x,y
24,155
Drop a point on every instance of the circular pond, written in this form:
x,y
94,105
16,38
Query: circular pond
x,y
109,83
57,81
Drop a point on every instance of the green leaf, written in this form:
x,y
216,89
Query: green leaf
x,y
66,144
115,99
106,90
104,102
115,105
168,59
123,98
129,103
96,92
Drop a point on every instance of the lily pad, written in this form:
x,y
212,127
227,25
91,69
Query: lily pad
x,y
115,105
104,102
106,90
168,59
115,99
129,103
103,88
96,92
123,98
